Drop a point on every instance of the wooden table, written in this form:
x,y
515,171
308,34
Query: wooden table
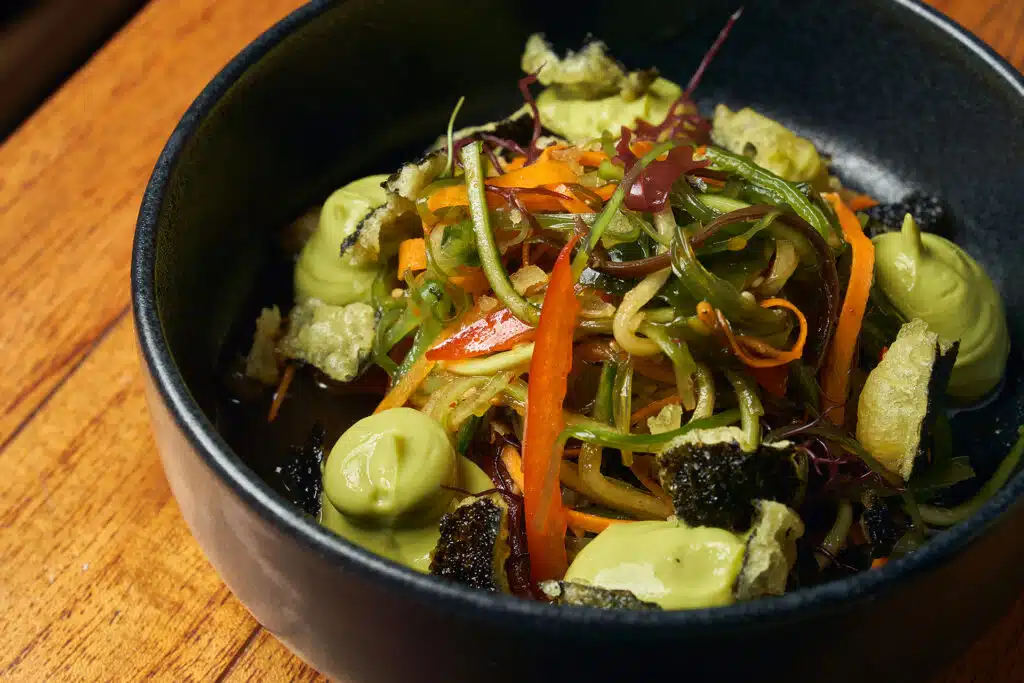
x,y
99,577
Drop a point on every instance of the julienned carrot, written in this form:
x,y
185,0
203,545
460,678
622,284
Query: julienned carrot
x,y
836,371
547,172
859,202
768,357
798,348
515,164
879,562
455,195
410,382
580,521
544,171
653,408
281,391
412,256
452,195
405,388
549,372
514,465
641,147
587,522
643,475
592,159
471,280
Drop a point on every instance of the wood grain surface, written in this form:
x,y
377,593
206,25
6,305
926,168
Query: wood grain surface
x,y
99,577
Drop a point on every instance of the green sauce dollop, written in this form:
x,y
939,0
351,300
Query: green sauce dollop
x,y
928,277
668,563
322,272
388,480
580,120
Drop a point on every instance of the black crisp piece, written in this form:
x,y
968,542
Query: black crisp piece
x,y
883,523
300,475
715,484
569,593
473,545
929,211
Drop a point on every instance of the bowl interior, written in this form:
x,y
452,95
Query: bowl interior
x,y
896,101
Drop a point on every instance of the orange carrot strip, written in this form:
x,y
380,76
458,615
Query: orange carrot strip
x,y
859,202
641,147
406,387
740,344
515,164
643,475
514,464
471,280
653,408
836,372
592,158
451,195
591,523
879,562
572,205
279,393
412,256
543,172
455,195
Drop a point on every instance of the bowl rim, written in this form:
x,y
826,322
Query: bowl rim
x,y
232,471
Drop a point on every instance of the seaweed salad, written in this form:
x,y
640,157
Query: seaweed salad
x,y
612,352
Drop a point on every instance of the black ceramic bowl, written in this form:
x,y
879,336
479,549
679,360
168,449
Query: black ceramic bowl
x,y
901,97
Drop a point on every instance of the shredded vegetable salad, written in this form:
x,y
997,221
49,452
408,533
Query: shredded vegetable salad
x,y
630,356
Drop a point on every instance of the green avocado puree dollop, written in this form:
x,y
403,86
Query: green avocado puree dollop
x,y
388,480
668,563
322,272
928,277
581,120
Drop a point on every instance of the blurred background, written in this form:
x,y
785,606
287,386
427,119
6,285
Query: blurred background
x,y
42,42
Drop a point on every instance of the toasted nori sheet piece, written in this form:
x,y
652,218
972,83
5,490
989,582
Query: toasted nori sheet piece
x,y
883,522
473,545
929,211
569,593
300,475
713,482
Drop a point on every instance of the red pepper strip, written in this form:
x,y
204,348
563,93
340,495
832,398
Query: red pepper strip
x,y
500,330
549,372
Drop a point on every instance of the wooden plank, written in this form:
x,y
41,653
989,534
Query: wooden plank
x,y
995,658
71,179
101,576
266,660
1000,23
